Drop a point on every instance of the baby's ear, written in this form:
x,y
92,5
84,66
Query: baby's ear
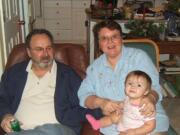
x,y
146,93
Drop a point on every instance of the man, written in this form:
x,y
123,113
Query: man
x,y
41,93
106,76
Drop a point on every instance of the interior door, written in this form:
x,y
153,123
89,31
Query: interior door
x,y
11,18
12,34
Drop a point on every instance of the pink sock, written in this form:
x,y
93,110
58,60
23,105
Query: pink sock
x,y
94,123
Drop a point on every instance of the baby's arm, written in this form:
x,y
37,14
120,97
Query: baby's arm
x,y
147,128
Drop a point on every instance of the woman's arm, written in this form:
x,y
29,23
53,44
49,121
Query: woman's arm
x,y
107,106
93,102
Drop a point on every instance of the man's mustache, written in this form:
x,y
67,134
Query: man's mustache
x,y
45,58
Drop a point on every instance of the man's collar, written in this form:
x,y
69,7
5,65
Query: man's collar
x,y
29,67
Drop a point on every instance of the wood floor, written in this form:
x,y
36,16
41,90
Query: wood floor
x,y
172,107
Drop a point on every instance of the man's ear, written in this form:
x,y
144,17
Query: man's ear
x,y
28,52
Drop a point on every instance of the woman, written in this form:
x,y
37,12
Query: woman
x,y
106,76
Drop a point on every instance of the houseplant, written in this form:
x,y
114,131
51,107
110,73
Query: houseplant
x,y
145,29
173,6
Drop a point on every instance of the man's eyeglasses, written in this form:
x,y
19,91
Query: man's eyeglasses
x,y
40,49
106,39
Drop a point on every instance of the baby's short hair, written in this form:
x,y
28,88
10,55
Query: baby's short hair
x,y
142,74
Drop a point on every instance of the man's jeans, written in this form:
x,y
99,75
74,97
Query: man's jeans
x,y
47,129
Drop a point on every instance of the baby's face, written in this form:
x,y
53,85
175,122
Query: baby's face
x,y
136,87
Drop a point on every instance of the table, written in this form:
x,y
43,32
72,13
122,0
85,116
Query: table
x,y
169,47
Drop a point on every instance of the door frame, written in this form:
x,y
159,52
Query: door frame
x,y
2,41
3,55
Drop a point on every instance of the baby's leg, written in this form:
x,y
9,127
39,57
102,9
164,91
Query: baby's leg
x,y
97,124
94,123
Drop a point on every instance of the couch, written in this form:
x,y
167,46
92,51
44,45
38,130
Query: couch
x,y
73,55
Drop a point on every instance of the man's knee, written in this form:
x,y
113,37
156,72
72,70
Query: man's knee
x,y
57,129
160,133
47,129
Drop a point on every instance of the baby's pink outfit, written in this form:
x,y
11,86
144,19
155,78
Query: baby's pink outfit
x,y
132,118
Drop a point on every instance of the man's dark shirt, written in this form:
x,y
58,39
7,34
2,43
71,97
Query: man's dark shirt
x,y
67,109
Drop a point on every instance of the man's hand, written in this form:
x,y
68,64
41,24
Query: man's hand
x,y
109,106
5,123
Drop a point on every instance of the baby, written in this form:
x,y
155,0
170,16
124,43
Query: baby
x,y
137,85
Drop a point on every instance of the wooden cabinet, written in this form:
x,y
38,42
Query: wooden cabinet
x,y
65,19
79,18
58,19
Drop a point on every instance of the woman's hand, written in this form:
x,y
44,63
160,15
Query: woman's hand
x,y
109,106
148,104
148,108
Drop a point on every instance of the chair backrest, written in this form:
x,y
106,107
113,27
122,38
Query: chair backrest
x,y
147,45
73,55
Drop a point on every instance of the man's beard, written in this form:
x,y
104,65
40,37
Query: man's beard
x,y
41,64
